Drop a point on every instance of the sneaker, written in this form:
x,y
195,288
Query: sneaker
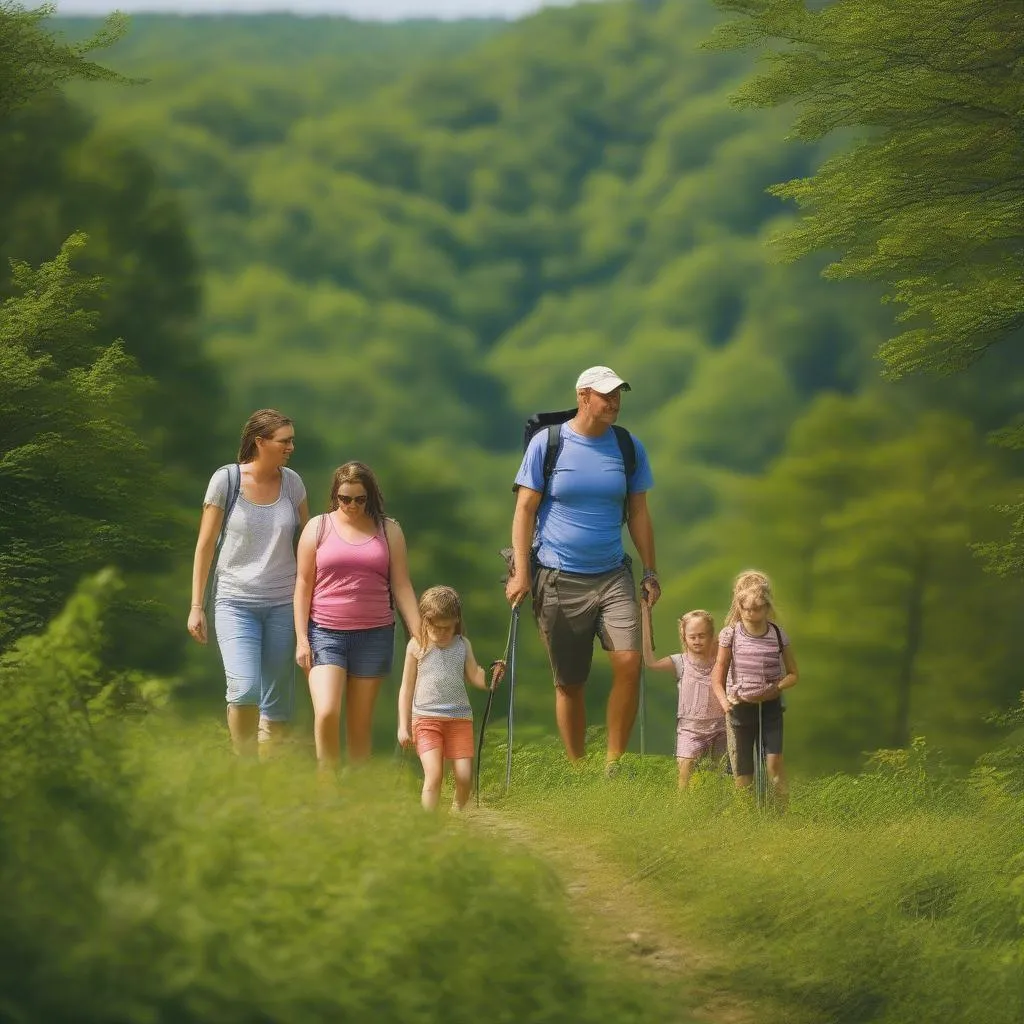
x,y
613,769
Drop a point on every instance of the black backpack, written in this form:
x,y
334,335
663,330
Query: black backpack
x,y
552,422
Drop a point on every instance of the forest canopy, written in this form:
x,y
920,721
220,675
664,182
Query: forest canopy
x,y
412,258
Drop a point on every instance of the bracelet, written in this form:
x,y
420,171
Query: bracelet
x,y
649,574
195,606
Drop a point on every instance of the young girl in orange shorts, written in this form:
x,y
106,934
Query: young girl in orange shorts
x,y
433,705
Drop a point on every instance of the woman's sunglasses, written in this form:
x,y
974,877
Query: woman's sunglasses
x,y
347,499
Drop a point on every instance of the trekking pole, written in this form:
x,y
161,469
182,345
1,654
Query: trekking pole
x,y
487,715
511,671
480,743
760,764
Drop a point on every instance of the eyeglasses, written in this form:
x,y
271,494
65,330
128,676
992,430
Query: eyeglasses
x,y
347,499
286,441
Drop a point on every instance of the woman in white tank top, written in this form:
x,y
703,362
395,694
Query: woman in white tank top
x,y
251,513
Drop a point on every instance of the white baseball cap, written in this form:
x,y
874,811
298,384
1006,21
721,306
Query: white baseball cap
x,y
602,379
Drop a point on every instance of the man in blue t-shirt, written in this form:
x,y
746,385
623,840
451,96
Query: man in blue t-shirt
x,y
567,544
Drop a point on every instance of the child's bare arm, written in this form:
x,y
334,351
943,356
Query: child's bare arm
x,y
792,676
657,664
718,676
475,675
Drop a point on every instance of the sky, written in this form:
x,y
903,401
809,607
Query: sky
x,y
377,9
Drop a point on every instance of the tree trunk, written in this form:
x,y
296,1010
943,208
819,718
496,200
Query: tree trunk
x,y
911,648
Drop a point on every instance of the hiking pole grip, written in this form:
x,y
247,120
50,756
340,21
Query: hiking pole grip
x,y
511,672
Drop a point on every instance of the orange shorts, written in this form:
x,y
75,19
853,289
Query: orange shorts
x,y
453,735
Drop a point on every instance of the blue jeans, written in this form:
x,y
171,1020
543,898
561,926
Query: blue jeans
x,y
257,646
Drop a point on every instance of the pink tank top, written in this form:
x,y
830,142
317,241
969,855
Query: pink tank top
x,y
351,589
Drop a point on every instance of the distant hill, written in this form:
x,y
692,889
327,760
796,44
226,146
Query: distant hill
x,y
191,41
413,235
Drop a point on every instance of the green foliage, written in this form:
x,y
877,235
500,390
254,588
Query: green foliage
x,y
864,524
929,197
880,897
34,62
67,177
170,881
78,488
930,201
411,259
146,873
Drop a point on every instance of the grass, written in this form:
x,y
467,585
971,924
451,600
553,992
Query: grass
x,y
169,882
884,897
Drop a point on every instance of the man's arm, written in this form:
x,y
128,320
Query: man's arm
x,y
641,530
523,524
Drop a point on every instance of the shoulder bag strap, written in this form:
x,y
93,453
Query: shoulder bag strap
x,y
627,449
234,488
551,450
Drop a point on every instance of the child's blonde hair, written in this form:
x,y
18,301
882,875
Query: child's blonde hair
x,y
685,620
750,584
438,604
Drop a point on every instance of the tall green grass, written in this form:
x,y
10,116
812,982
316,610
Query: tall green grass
x,y
885,897
194,888
147,876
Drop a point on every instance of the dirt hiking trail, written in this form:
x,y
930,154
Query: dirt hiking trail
x,y
620,919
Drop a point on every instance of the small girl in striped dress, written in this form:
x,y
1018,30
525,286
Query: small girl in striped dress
x,y
433,706
700,722
757,662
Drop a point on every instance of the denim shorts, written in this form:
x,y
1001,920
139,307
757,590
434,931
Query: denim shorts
x,y
366,653
257,647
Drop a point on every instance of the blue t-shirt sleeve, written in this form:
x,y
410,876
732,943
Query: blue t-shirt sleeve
x,y
531,470
642,478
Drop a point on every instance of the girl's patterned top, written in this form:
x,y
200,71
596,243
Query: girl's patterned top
x,y
698,710
756,660
441,683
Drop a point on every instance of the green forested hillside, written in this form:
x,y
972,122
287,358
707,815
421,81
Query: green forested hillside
x,y
411,237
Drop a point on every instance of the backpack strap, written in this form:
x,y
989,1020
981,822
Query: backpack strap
x,y
234,489
551,451
778,638
627,449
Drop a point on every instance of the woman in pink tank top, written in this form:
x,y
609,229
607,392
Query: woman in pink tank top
x,y
353,571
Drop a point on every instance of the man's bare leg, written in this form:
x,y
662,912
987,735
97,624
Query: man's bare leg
x,y
622,701
571,715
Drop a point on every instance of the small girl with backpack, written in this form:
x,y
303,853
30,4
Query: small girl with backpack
x,y
755,665
434,713
700,722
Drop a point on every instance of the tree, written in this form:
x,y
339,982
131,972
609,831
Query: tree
x,y
33,61
864,525
78,489
929,199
